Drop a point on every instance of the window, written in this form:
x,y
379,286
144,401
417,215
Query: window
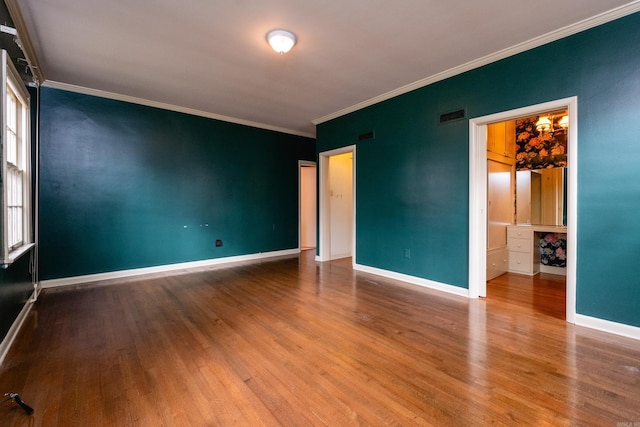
x,y
16,165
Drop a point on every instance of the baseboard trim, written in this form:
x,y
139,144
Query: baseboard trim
x,y
561,271
76,280
608,326
413,280
6,343
602,325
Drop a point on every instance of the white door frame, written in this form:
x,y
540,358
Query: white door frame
x,y
301,164
324,223
478,195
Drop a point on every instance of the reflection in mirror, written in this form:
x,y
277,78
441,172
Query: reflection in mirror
x,y
541,160
541,196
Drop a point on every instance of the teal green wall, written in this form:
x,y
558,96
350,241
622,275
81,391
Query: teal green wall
x,y
16,287
125,186
412,179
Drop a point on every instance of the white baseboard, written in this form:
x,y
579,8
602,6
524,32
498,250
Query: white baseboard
x,y
602,325
608,326
413,280
5,345
562,271
581,320
69,281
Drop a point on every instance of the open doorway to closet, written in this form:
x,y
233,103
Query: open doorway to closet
x,y
308,196
337,204
526,211
522,199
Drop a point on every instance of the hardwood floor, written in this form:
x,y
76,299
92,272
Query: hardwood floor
x,y
543,293
291,342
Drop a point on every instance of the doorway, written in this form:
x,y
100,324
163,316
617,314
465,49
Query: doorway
x,y
337,204
307,209
478,196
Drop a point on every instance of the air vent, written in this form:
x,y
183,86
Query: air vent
x,y
366,136
451,116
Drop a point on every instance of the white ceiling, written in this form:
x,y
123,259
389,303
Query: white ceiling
x,y
211,55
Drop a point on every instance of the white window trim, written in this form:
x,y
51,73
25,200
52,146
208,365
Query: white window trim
x,y
10,76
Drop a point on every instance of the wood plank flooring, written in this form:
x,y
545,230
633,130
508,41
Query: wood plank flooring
x,y
544,294
292,342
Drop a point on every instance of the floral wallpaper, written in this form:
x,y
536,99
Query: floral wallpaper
x,y
539,150
553,249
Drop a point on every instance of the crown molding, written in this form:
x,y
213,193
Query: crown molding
x,y
25,39
148,103
569,30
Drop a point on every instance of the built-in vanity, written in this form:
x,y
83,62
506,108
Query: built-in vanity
x,y
523,242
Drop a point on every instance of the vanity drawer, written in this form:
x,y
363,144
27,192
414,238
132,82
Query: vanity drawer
x,y
497,262
520,245
519,233
520,262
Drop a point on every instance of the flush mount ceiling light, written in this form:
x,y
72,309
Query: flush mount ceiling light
x,y
281,40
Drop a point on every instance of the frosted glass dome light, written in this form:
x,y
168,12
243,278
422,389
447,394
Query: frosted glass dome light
x,y
281,40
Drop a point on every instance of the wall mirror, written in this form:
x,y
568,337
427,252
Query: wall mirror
x,y
541,196
541,173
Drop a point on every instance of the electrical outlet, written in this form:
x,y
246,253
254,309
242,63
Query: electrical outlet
x,y
407,253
